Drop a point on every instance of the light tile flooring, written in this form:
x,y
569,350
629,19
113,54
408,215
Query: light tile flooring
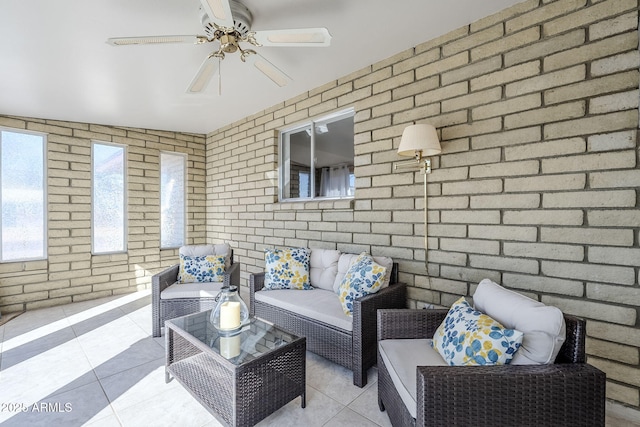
x,y
95,363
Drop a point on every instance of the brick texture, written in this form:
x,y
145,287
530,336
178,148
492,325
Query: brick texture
x,y
71,273
536,186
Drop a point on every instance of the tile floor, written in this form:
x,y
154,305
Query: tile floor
x,y
95,363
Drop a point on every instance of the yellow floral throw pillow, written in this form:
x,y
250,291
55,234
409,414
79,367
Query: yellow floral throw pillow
x,y
364,277
468,337
287,269
209,268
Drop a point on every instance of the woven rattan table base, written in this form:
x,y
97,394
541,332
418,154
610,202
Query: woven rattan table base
x,y
237,395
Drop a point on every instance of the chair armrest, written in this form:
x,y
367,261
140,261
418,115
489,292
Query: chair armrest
x,y
159,282
409,323
162,280
364,325
510,395
256,282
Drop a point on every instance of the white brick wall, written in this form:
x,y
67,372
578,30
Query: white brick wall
x,y
536,187
71,272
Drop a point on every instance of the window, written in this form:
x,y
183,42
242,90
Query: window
x,y
109,196
22,196
317,159
172,199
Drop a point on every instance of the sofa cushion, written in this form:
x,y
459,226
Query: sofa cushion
x,y
323,268
317,304
468,337
346,260
364,277
402,357
191,290
286,269
208,268
543,326
202,250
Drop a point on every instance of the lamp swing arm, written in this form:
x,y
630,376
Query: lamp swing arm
x,y
423,164
420,141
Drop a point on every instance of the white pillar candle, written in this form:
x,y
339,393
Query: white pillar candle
x,y
230,315
230,346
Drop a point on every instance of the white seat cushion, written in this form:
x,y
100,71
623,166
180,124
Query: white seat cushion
x,y
543,326
317,304
346,260
402,358
324,268
192,290
204,250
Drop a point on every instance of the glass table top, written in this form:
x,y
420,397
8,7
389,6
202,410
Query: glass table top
x,y
254,339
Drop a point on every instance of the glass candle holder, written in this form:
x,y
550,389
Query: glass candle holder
x,y
231,312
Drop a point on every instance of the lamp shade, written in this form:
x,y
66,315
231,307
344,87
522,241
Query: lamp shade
x,y
419,138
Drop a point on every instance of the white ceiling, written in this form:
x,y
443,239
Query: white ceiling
x,y
55,64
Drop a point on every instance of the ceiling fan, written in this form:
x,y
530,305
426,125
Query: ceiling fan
x,y
228,22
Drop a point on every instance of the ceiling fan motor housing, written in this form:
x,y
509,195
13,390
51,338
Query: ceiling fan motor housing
x,y
242,19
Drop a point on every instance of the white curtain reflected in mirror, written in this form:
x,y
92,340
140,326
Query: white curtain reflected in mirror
x,y
335,181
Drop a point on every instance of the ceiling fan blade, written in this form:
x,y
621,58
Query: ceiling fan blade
x,y
126,41
317,37
268,69
204,74
219,11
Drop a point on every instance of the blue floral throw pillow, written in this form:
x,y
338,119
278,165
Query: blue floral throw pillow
x,y
208,268
364,277
468,337
287,269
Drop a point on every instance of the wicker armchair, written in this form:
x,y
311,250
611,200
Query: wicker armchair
x,y
164,309
566,393
355,350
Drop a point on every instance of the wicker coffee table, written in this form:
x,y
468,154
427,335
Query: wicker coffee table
x,y
239,379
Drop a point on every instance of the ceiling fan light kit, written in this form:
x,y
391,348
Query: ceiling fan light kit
x,y
228,22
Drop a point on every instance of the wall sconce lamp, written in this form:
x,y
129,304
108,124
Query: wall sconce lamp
x,y
420,141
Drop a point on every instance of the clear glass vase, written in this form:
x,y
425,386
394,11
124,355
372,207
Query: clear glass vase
x,y
231,312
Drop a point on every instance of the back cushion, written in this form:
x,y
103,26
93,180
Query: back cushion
x,y
543,326
324,268
346,260
204,250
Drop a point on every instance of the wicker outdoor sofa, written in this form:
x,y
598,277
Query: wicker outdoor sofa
x,y
354,349
568,392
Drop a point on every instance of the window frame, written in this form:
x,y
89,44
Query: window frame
x,y
310,123
125,196
45,199
185,159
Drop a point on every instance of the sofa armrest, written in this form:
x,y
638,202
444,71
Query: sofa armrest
x,y
256,282
409,323
510,395
393,296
